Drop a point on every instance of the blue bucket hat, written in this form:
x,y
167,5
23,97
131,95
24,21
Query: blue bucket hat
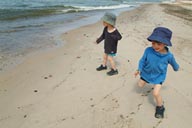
x,y
161,34
109,18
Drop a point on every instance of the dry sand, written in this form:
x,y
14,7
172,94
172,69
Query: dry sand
x,y
62,89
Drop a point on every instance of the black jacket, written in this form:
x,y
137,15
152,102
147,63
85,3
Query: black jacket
x,y
111,40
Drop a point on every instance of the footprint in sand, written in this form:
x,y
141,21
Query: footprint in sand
x,y
4,118
78,57
3,90
110,103
147,93
139,106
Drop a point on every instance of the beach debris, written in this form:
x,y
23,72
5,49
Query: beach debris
x,y
49,76
85,35
25,116
149,91
144,94
35,90
132,113
121,116
78,57
63,119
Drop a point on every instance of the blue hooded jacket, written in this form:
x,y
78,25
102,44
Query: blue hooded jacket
x,y
153,65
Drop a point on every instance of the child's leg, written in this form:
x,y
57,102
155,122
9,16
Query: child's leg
x,y
104,65
105,57
113,71
159,112
141,83
112,62
156,94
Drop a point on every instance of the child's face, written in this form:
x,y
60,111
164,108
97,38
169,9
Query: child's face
x,y
158,47
105,24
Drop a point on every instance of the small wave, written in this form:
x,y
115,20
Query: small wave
x,y
89,8
13,14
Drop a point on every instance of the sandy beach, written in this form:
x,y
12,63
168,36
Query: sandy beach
x,y
61,88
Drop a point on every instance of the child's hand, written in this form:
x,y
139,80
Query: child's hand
x,y
137,73
96,41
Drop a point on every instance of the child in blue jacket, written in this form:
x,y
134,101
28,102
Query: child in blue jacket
x,y
154,62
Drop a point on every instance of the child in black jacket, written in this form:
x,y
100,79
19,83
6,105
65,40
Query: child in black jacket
x,y
111,36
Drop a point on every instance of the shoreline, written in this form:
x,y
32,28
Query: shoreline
x,y
61,88
43,34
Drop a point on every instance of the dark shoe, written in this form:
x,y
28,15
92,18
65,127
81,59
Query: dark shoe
x,y
112,72
159,112
101,67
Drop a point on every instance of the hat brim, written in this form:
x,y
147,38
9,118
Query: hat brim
x,y
159,39
108,21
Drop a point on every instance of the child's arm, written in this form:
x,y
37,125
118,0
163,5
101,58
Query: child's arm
x,y
142,60
102,37
116,36
173,63
137,72
141,63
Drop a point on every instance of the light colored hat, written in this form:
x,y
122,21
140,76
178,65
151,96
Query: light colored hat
x,y
109,18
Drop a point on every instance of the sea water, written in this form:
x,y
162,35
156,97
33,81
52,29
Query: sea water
x,y
28,26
